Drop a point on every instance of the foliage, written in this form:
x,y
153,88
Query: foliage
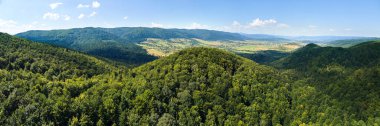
x,y
46,85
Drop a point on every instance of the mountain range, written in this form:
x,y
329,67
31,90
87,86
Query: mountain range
x,y
138,45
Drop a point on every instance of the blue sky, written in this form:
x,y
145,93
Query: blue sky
x,y
281,17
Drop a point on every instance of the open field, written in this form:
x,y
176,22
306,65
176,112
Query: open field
x,y
162,47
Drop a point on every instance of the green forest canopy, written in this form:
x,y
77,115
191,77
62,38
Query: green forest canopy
x,y
46,85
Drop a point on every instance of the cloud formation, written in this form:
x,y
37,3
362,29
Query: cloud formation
x,y
51,16
13,27
283,25
81,16
195,25
83,6
54,5
95,4
66,17
259,23
7,23
92,14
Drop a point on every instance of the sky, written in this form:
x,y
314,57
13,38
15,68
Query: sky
x,y
278,17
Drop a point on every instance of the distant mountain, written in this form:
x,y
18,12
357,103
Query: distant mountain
x,y
351,42
132,34
264,57
120,43
314,56
265,37
138,45
131,45
20,54
324,39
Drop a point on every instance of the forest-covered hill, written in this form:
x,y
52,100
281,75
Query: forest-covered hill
x,y
136,45
46,85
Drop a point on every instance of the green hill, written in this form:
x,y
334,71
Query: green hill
x,y
351,42
313,56
37,81
46,85
200,86
119,44
94,41
136,45
347,76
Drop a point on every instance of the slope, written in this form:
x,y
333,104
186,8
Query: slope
x,y
93,41
193,87
38,80
346,80
135,45
313,56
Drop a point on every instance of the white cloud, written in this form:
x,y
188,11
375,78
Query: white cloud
x,y
331,29
81,16
197,26
258,22
95,4
156,25
66,17
92,14
51,16
236,23
54,5
12,27
125,18
7,23
83,6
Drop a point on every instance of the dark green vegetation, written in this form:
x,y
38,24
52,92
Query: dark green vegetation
x,y
138,45
351,42
342,84
119,44
122,44
264,57
95,41
45,85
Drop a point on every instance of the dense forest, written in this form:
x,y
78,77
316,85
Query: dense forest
x,y
47,85
124,44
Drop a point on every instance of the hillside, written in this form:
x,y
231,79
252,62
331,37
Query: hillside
x,y
136,45
313,56
37,81
94,41
351,42
349,77
200,86
119,44
20,54
128,34
46,85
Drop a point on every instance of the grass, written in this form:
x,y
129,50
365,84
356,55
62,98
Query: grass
x,y
161,47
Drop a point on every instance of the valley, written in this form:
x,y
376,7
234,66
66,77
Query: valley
x,y
159,47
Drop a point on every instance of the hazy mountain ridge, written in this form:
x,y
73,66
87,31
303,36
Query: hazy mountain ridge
x,y
312,55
